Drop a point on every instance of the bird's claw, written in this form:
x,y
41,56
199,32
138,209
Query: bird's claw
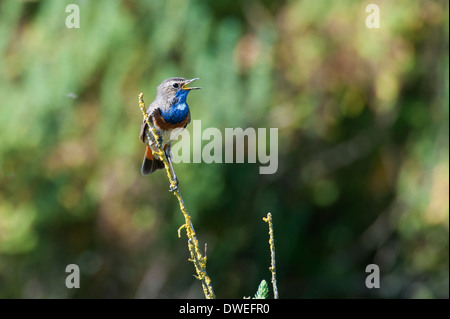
x,y
174,185
157,143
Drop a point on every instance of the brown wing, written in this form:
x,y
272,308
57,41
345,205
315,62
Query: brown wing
x,y
150,112
143,129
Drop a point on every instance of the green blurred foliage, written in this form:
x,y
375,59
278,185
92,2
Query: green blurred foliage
x,y
363,171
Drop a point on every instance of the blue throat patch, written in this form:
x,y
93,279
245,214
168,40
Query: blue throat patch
x,y
177,111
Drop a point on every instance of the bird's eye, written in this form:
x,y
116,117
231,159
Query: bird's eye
x,y
175,85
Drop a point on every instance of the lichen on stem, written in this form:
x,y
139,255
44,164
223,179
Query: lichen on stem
x,y
268,220
196,256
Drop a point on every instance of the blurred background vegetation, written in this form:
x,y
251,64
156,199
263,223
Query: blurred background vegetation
x,y
363,173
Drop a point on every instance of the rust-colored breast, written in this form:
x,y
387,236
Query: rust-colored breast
x,y
163,125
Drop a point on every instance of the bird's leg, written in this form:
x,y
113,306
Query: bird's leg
x,y
158,142
174,185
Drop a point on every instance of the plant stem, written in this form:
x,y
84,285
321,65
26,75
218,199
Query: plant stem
x,y
196,257
272,268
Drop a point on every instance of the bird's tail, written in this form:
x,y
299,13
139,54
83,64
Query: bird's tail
x,y
150,164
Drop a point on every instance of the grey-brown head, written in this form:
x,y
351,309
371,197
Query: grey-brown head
x,y
173,87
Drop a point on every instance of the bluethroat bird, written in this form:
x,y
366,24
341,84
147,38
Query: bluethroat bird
x,y
168,112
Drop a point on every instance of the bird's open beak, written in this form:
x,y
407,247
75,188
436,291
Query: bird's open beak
x,y
190,88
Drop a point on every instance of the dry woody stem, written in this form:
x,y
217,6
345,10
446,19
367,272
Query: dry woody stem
x,y
196,257
268,219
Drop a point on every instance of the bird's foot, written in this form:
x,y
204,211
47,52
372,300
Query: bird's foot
x,y
174,185
157,143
